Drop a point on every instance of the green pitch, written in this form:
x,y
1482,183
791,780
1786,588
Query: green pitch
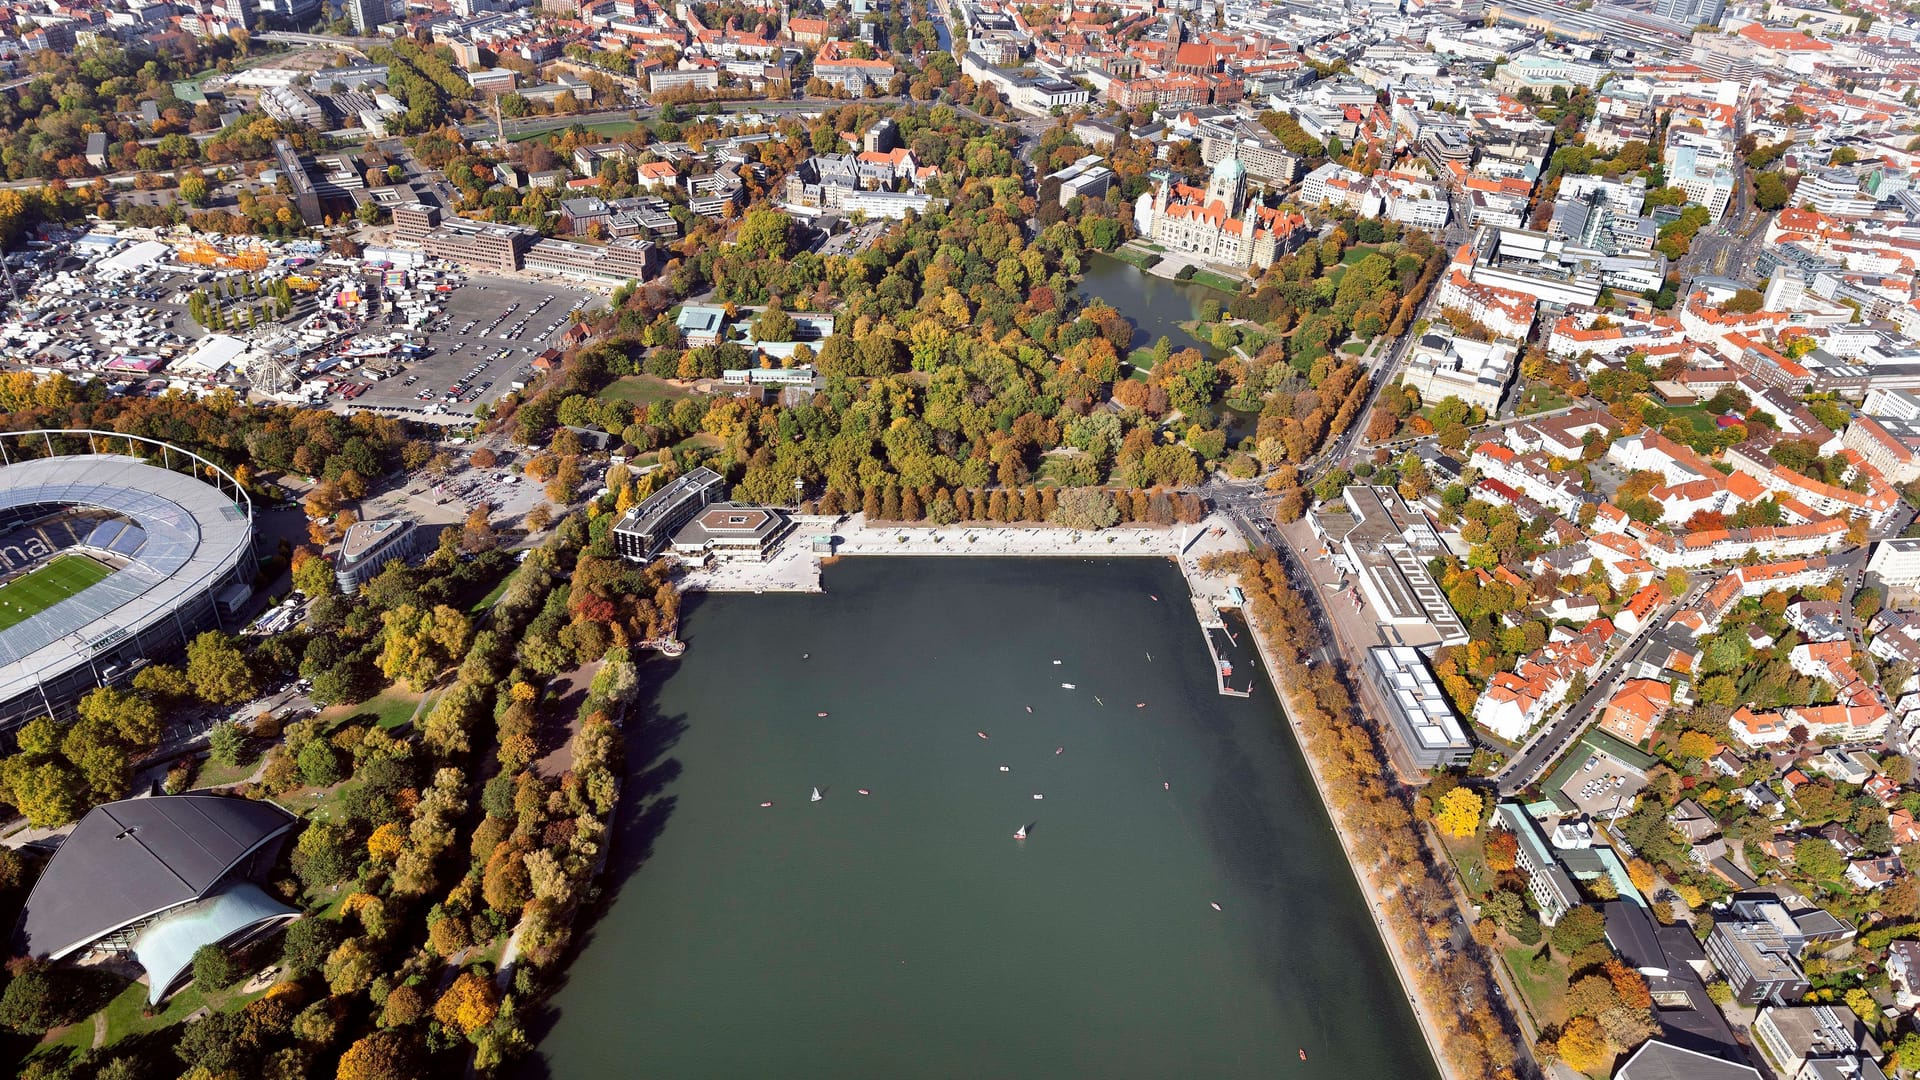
x,y
32,593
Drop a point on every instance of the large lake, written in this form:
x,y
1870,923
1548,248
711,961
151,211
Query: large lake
x,y
907,933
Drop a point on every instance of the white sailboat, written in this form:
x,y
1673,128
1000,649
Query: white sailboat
x,y
1020,833
816,795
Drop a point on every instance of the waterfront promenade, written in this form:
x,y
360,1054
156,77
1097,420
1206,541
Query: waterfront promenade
x,y
796,568
1397,951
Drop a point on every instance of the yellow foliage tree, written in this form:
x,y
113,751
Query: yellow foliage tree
x,y
1641,872
470,1003
1697,745
1583,1044
1458,812
386,842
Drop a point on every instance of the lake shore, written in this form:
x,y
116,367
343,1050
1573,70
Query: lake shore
x,y
1376,900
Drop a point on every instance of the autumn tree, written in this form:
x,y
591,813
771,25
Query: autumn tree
x,y
419,643
1502,850
218,671
382,1055
469,1004
1583,1044
1458,812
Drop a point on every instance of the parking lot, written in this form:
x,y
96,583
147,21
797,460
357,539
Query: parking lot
x,y
483,341
1602,785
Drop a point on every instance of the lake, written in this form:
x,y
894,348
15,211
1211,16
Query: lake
x,y
907,933
1155,305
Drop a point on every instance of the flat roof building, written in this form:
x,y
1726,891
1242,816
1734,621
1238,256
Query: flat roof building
x,y
644,530
369,546
1424,721
727,531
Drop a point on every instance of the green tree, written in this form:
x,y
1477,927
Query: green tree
x,y
213,969
1578,928
765,235
35,999
1770,191
193,189
307,945
218,671
226,744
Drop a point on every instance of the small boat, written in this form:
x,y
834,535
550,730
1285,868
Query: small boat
x,y
1097,701
1154,598
1139,704
1166,785
1059,750
1303,1053
816,796
1056,663
1003,768
1068,686
864,791
1029,708
982,734
1215,906
1149,658
804,655
1020,833
820,714
1037,795
764,805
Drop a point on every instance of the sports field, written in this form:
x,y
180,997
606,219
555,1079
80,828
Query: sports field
x,y
36,591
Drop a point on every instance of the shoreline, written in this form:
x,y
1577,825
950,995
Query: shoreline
x,y
1368,890
1207,592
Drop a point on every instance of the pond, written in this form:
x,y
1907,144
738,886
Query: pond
x,y
1156,306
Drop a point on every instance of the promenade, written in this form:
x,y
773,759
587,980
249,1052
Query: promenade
x,y
1375,897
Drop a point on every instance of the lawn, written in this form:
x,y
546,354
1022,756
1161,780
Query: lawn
x,y
1541,397
486,602
1142,359
124,1013
642,390
1357,252
214,776
1698,415
37,590
1354,348
389,709
1221,282
1542,981
610,127
1141,259
1468,855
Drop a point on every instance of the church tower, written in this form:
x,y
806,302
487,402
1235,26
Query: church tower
x,y
1228,184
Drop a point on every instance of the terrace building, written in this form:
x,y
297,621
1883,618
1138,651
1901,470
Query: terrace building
x,y
369,546
642,532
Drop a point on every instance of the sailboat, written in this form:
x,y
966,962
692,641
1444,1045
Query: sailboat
x,y
816,796
1020,833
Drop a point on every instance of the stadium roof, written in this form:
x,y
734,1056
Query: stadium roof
x,y
194,536
132,859
166,947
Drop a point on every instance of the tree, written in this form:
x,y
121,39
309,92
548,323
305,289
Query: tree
x,y
34,1000
218,671
323,855
213,969
1086,508
484,458
1582,1045
1502,850
307,945
226,744
470,1003
1578,928
1696,745
311,574
1770,191
383,1055
193,189
1458,812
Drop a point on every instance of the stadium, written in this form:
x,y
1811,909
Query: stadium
x,y
107,559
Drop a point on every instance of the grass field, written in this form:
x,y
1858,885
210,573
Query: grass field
x,y
34,592
642,390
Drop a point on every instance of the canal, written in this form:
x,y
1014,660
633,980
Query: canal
x,y
1156,306
906,932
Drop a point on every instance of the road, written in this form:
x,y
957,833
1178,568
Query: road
x,y
1549,743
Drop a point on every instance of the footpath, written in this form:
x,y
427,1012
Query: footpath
x,y
1403,961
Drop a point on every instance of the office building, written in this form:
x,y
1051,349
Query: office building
x,y
644,530
1430,732
369,546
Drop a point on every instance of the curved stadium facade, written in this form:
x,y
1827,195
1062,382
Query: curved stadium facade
x,y
177,552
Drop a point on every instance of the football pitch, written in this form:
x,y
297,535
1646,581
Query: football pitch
x,y
34,592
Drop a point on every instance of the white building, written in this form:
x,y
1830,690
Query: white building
x,y
1443,365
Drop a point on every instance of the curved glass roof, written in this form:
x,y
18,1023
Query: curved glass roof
x,y
166,947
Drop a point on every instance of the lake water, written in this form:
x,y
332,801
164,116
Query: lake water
x,y
907,933
1155,305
